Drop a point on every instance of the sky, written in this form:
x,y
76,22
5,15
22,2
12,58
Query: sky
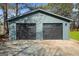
x,y
24,10
1,12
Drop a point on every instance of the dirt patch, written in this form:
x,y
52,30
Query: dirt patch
x,y
40,48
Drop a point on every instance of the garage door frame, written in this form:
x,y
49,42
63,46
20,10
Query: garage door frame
x,y
52,38
33,24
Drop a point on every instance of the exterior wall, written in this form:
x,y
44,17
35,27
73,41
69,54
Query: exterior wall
x,y
66,30
12,31
39,19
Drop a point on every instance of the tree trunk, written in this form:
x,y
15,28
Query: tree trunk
x,y
5,17
16,9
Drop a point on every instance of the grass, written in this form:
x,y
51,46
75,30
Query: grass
x,y
74,35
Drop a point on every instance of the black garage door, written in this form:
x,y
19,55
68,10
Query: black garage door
x,y
52,31
26,31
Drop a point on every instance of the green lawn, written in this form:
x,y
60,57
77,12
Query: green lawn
x,y
74,35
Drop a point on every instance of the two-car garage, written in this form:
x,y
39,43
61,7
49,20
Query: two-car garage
x,y
39,25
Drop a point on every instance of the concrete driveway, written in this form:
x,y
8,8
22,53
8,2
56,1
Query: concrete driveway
x,y
40,48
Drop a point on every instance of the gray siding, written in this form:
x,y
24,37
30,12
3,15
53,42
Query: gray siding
x,y
39,19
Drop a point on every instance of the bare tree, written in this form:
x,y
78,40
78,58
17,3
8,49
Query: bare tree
x,y
4,7
17,9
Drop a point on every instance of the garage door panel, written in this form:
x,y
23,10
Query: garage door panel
x,y
52,31
26,31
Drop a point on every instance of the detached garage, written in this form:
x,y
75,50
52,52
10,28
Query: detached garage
x,y
38,25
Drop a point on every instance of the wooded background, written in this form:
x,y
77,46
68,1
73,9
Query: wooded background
x,y
10,10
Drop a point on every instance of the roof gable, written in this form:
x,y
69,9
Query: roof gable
x,y
41,11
